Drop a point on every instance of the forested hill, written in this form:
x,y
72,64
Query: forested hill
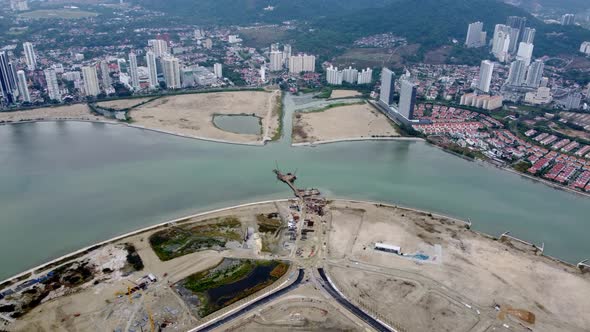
x,y
338,22
250,11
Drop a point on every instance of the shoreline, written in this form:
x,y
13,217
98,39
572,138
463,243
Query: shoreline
x,y
358,139
129,125
94,246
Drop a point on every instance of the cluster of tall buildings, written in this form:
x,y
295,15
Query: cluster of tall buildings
x,y
349,75
295,63
404,110
512,38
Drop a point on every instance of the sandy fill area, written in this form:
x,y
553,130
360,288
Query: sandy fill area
x,y
192,114
344,94
472,269
123,103
70,112
352,121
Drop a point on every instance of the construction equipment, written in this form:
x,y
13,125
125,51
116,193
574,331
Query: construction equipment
x,y
129,294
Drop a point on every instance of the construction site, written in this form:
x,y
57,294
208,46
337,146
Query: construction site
x,y
304,263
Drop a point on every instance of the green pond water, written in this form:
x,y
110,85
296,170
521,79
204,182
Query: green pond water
x,y
240,124
66,185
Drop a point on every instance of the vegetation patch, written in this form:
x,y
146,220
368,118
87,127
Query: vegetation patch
x,y
228,282
268,223
179,241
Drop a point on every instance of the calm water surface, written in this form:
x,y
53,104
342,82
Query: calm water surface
x,y
241,124
66,185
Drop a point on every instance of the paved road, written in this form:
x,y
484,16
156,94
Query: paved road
x,y
354,309
255,304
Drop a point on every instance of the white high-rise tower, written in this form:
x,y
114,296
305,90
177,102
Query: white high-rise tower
x,y
52,85
171,69
30,56
133,71
485,76
150,58
22,86
90,80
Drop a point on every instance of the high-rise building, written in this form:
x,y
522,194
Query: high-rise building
x,y
513,45
517,74
476,37
52,85
218,70
276,61
171,69
287,52
517,22
301,63
105,77
30,57
23,87
365,76
568,19
387,86
263,73
485,76
529,35
275,47
350,75
158,46
525,52
535,74
585,48
5,85
501,42
334,76
208,43
150,58
133,70
407,99
90,80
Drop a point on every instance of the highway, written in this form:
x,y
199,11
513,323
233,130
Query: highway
x,y
255,304
354,309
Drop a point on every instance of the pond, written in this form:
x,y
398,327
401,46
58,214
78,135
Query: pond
x,y
240,124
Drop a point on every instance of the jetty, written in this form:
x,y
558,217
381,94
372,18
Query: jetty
x,y
289,179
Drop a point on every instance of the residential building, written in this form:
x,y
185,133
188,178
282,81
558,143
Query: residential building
x,y
105,77
159,47
517,74
476,37
350,75
387,86
23,87
208,43
585,47
407,99
263,73
568,19
517,22
52,85
485,76
171,69
133,73
485,102
287,52
365,76
218,70
334,76
90,80
535,74
301,63
30,57
525,52
276,60
501,42
150,58
5,84
529,35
